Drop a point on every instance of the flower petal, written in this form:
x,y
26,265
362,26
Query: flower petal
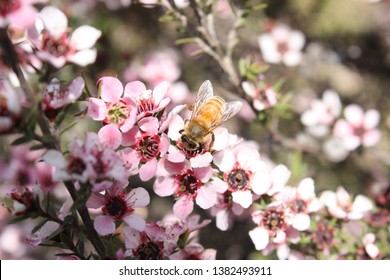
x,y
134,89
354,115
110,136
301,222
55,158
84,37
206,198
260,237
111,89
138,197
104,225
135,221
83,57
244,198
97,109
183,207
54,20
148,170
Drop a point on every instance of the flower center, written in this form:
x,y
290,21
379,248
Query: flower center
x,y
273,219
189,184
282,47
360,131
9,6
149,251
118,113
323,237
26,198
148,148
56,47
298,205
145,106
116,207
76,165
237,179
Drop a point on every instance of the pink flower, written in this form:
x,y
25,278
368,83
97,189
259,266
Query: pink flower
x,y
20,172
187,185
116,112
358,127
194,251
263,97
55,97
86,161
369,246
300,202
10,106
56,45
146,150
155,243
271,226
45,173
148,102
282,45
18,13
159,67
244,173
340,205
118,206
322,113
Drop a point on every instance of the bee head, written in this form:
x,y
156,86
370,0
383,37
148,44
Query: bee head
x,y
188,143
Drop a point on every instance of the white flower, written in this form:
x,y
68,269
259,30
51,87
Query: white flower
x,y
282,45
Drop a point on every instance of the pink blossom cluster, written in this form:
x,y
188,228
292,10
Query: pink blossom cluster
x,y
227,178
341,134
46,35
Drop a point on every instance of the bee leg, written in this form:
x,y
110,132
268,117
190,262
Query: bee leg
x,y
181,130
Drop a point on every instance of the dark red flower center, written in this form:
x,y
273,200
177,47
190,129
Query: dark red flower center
x,y
26,198
57,47
237,179
116,206
146,106
189,184
9,6
273,219
76,165
298,205
323,237
282,47
149,251
148,147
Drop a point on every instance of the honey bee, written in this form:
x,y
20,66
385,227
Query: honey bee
x,y
208,113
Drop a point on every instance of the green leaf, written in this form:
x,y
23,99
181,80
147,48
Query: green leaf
x,y
260,7
278,85
24,139
185,41
61,116
39,226
66,240
297,166
242,66
18,219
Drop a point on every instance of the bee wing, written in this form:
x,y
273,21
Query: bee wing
x,y
228,111
205,92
